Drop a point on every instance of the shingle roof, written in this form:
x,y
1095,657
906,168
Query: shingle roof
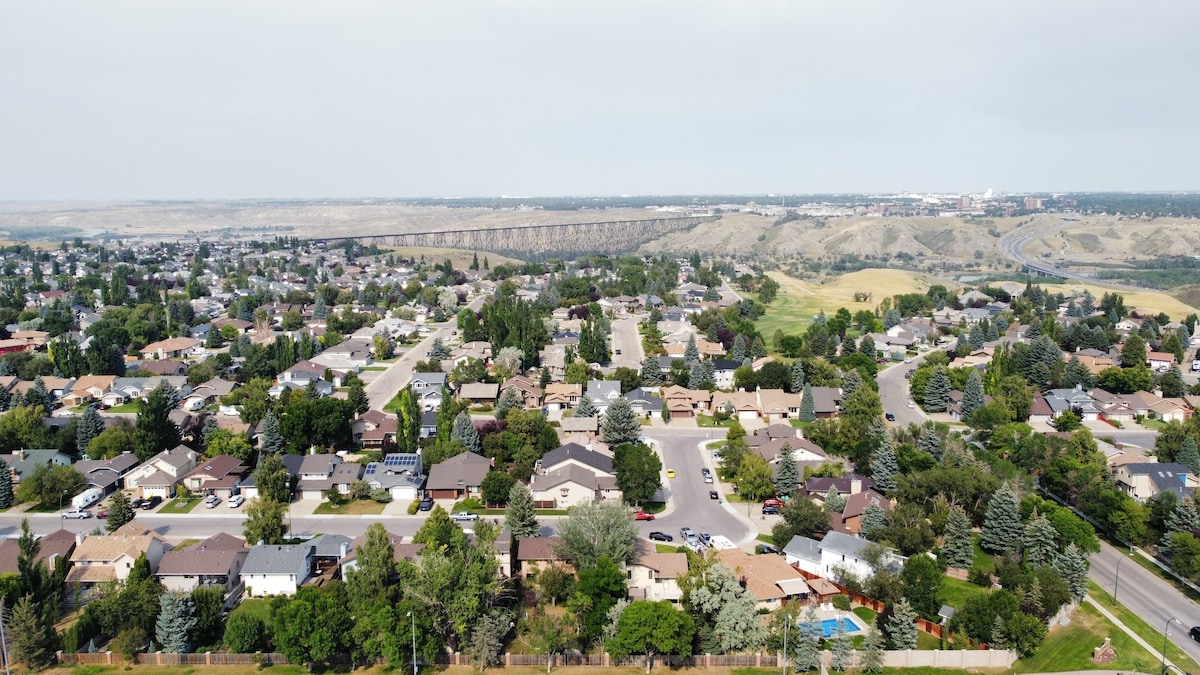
x,y
213,562
468,466
276,558
574,451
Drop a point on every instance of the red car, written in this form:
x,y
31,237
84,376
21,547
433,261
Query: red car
x,y
102,514
773,502
642,515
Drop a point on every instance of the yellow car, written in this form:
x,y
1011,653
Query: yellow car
x,y
670,473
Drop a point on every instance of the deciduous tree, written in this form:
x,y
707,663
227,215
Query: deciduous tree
x,y
649,628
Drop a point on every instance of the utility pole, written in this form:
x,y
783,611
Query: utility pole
x,y
4,641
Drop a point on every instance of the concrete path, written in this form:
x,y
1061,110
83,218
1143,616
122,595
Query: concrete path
x,y
1125,629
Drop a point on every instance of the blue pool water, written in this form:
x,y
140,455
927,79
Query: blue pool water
x,y
829,627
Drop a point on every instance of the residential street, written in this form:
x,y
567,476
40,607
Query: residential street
x,y
893,392
627,341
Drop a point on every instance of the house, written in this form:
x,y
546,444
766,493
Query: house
x,y
375,428
170,348
130,388
107,474
602,393
644,404
1041,412
655,576
723,372
166,367
478,350
527,389
57,387
770,578
104,558
570,486
742,405
400,473
315,476
588,427
218,476
1095,360
479,393
249,487
836,555
350,355
23,462
344,475
457,477
1160,361
684,403
87,389
535,554
214,562
423,384
573,454
1077,400
1142,481
429,424
158,475
826,402
400,552
851,516
560,396
52,548
778,405
208,393
276,569
850,484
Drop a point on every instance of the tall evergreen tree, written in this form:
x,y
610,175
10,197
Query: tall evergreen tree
x,y
958,550
1076,375
872,659
902,626
176,619
850,384
408,422
757,349
6,486
1183,519
6,397
691,354
807,414
120,511
1002,531
797,376
270,438
1189,456
808,643
320,309
509,399
90,425
357,395
465,433
937,391
519,515
651,372
873,518
972,394
1040,541
446,414
1072,566
585,407
930,442
208,429
884,465
620,424
27,635
738,351
787,478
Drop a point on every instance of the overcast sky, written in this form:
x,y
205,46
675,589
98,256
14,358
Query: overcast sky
x,y
174,100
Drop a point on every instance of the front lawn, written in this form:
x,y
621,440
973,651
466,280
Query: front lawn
x,y
180,505
1151,634
1070,647
710,421
358,507
130,407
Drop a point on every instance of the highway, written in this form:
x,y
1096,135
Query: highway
x,y
1012,243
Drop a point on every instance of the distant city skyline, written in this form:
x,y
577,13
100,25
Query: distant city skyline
x,y
128,100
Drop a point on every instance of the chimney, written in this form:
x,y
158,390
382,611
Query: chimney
x,y
78,538
345,549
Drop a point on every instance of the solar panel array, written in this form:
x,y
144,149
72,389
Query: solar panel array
x,y
370,470
400,460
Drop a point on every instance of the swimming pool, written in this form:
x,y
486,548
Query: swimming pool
x,y
829,627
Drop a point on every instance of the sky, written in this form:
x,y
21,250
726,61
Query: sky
x,y
119,100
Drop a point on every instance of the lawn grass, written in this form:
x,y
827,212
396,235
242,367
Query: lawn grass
x,y
664,548
130,407
1160,573
1070,647
260,607
1156,425
708,421
358,507
799,301
1151,634
180,505
956,592
983,561
374,368
766,539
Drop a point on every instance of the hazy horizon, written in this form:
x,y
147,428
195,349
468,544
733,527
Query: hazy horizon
x,y
223,101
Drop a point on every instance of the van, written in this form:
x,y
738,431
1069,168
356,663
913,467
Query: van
x,y
87,498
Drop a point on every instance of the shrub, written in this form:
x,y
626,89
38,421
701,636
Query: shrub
x,y
380,495
980,578
842,602
414,507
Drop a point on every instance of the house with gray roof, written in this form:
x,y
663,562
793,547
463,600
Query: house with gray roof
x,y
1062,400
23,462
107,474
577,455
1144,480
603,393
216,562
460,476
276,569
644,403
841,554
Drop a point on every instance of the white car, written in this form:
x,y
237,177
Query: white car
x,y
211,502
911,404
464,515
77,513
236,501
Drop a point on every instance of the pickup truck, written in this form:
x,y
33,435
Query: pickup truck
x,y
77,513
463,515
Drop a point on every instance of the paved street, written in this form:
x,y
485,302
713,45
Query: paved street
x,y
627,341
1151,598
893,392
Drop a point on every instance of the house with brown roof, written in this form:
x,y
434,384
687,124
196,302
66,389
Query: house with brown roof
x,y
158,475
655,576
52,548
375,428
102,558
769,578
400,552
164,367
88,388
850,520
479,393
535,554
218,476
826,401
216,561
742,405
560,395
458,477
171,348
778,405
315,475
572,485
683,403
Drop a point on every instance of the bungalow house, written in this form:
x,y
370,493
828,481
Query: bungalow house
x,y
573,454
588,427
167,367
57,387
315,475
131,388
1041,412
1160,361
87,389
104,558
107,474
304,372
479,350
850,484
655,576
479,393
1062,400
742,405
572,485
52,548
1095,360
214,562
1143,481
400,473
685,403
560,396
527,389
535,554
218,476
171,348
208,393
36,339
457,477
23,462
602,393
157,476
1170,410
349,355
770,578
276,569
644,403
400,552
374,429
778,405
851,516
826,402
837,553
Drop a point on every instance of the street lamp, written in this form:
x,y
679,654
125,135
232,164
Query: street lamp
x,y
787,621
414,642
62,523
1117,577
1166,632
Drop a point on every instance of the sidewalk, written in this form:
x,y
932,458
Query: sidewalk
x,y
1136,638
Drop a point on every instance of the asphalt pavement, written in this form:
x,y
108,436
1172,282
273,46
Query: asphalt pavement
x,y
627,341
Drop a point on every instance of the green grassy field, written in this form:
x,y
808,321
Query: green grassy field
x,y
1151,634
180,505
956,592
798,301
358,507
1070,647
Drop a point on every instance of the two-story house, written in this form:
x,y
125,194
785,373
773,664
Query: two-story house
x,y
216,561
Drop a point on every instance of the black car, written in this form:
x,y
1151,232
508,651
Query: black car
x,y
661,536
769,510
135,503
152,502
712,494
1194,633
426,504
891,417
762,549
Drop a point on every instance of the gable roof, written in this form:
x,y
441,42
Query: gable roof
x,y
276,558
468,467
574,451
59,543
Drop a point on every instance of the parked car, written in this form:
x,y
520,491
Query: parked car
x,y
463,515
211,501
712,494
1194,633
618,352
136,503
77,513
426,504
772,502
670,473
770,510
891,417
706,539
642,515
911,404
102,514
686,532
236,501
152,502
765,548
661,536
